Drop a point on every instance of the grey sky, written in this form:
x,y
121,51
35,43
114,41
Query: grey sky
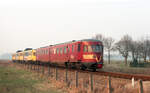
x,y
35,23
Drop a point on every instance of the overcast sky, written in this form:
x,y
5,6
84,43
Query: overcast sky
x,y
37,23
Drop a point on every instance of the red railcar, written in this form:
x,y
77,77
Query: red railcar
x,y
86,53
43,54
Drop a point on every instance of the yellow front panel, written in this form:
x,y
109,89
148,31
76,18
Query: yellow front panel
x,y
30,55
17,56
24,56
14,57
91,56
21,56
27,55
33,55
88,56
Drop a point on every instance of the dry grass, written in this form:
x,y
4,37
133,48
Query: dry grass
x,y
13,79
100,82
119,66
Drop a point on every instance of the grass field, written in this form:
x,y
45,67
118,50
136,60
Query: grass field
x,y
119,66
20,81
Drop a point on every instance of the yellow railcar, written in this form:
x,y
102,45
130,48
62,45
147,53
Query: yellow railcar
x,y
17,57
29,55
34,55
20,56
14,57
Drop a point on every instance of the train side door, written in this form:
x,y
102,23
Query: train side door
x,y
79,52
68,53
65,53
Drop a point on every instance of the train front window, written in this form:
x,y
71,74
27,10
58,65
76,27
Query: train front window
x,y
93,48
97,48
85,48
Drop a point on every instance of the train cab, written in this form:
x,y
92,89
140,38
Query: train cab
x,y
91,53
14,57
29,55
20,54
33,55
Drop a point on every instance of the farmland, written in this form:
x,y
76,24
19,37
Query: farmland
x,y
13,80
20,78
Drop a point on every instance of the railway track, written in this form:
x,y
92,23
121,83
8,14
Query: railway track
x,y
119,75
124,75
111,74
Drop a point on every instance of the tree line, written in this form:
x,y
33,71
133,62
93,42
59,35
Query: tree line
x,y
126,46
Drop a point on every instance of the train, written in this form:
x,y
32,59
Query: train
x,y
83,54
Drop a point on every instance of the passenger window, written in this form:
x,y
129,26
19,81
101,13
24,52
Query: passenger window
x,y
79,45
85,48
65,50
46,52
68,49
54,51
72,48
57,50
90,49
61,51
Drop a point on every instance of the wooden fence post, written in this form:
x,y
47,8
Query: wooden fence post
x,y
141,86
109,85
76,73
30,66
34,66
49,69
24,66
38,67
66,75
43,69
91,81
56,73
133,82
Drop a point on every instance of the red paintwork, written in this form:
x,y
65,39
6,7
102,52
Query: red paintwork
x,y
43,54
69,56
99,65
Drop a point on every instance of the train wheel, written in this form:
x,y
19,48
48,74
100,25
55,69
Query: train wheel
x,y
83,67
94,70
73,65
66,64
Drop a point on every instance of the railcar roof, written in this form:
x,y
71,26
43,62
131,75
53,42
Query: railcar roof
x,y
28,49
18,51
92,40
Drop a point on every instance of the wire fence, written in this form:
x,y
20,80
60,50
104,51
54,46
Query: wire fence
x,y
87,83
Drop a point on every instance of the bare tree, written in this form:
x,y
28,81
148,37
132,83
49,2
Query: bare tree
x,y
134,49
108,43
99,37
123,46
144,49
148,54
